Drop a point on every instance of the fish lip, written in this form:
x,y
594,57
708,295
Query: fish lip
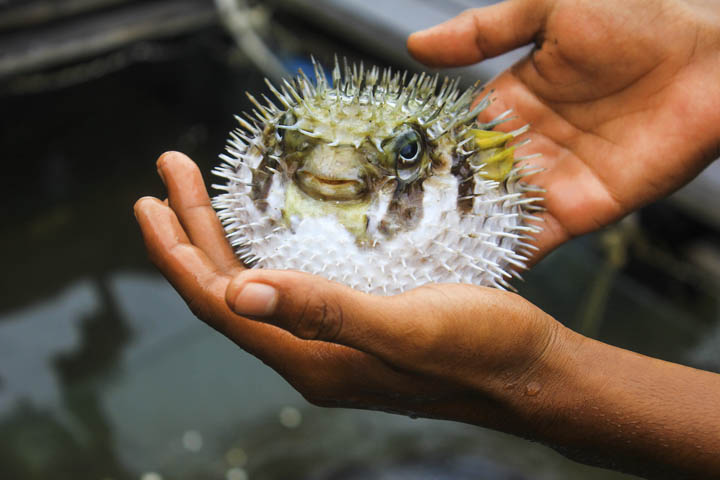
x,y
323,188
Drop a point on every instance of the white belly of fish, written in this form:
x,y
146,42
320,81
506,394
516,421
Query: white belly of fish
x,y
447,246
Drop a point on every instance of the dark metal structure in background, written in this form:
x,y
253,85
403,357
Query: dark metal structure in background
x,y
40,34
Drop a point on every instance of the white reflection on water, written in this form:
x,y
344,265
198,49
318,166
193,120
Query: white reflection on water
x,y
192,440
236,474
179,375
176,377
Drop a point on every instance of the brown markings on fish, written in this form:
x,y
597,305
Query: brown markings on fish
x,y
405,210
466,182
261,182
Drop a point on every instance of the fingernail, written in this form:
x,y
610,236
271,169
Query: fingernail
x,y
255,300
162,176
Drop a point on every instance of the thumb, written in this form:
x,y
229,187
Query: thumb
x,y
479,33
313,308
420,330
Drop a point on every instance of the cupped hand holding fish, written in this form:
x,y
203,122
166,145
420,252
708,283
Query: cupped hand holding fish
x,y
622,97
459,352
373,351
624,114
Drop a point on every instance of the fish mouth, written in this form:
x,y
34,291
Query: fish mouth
x,y
337,189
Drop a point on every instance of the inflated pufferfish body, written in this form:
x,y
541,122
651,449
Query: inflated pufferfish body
x,y
377,183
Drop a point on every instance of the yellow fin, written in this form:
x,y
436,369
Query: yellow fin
x,y
497,163
485,139
497,159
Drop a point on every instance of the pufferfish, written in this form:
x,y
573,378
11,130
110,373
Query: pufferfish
x,y
377,181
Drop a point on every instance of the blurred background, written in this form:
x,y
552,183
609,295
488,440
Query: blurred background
x,y
105,374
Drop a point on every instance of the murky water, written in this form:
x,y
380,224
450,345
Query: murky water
x,y
104,373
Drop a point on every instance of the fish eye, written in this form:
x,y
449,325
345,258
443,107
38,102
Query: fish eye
x,y
409,154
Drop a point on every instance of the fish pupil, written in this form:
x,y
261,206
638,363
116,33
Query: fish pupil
x,y
408,152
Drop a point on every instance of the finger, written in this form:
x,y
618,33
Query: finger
x,y
314,308
197,279
479,33
189,199
434,330
321,371
334,375
186,267
552,235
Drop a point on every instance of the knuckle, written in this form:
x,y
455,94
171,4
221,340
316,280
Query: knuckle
x,y
319,319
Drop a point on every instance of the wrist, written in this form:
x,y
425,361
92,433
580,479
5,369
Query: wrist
x,y
600,403
535,392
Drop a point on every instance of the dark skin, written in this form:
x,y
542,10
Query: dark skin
x,y
624,114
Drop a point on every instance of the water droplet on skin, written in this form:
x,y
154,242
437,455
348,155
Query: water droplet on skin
x,y
509,386
532,389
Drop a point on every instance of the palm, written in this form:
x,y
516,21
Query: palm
x,y
621,115
186,241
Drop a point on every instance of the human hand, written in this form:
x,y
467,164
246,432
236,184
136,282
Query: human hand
x,y
437,351
456,352
622,96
